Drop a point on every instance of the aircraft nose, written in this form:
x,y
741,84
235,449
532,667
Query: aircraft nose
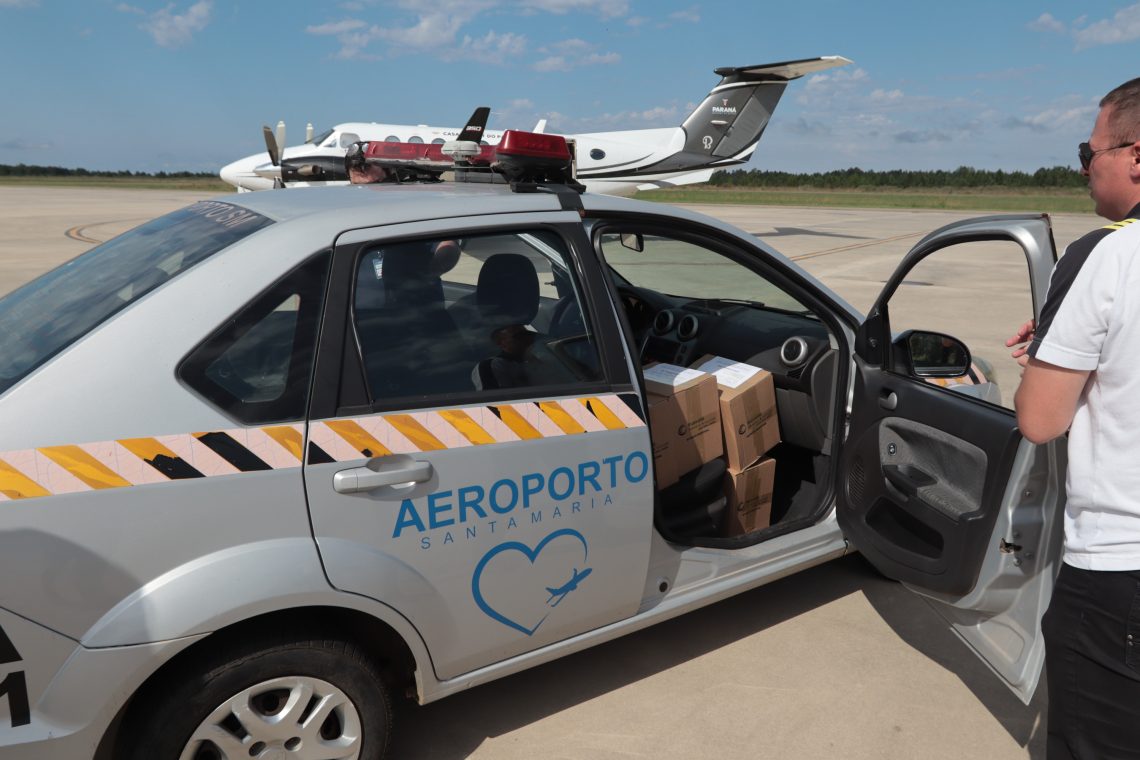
x,y
231,173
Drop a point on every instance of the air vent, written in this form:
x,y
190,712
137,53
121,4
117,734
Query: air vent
x,y
688,328
663,322
794,352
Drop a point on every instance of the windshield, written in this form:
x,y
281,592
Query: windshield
x,y
320,138
47,315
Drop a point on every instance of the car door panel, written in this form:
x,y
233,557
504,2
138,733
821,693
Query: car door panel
x,y
939,490
925,478
496,521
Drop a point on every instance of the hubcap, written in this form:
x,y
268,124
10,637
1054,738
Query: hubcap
x,y
291,718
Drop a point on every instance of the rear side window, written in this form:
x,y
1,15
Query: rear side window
x,y
47,315
257,366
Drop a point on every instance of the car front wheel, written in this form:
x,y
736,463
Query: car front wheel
x,y
305,700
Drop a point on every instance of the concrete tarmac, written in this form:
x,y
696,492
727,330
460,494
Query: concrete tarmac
x,y
835,662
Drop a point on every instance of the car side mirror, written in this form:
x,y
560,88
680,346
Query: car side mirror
x,y
930,354
633,241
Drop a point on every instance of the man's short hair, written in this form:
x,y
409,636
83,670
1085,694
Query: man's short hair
x,y
1124,123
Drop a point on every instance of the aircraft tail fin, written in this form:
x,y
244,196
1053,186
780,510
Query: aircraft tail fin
x,y
473,131
732,118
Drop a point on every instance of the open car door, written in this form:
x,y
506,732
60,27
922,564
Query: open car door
x,y
940,491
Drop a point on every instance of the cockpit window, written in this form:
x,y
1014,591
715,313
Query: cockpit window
x,y
348,138
47,315
321,137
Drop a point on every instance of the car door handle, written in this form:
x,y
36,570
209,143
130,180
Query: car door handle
x,y
907,478
889,400
359,479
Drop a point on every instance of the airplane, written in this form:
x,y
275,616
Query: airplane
x,y
569,586
723,131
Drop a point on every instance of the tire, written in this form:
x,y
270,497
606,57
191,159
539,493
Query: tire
x,y
302,700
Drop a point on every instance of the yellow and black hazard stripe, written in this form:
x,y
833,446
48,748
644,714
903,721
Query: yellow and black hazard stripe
x,y
56,470
1119,225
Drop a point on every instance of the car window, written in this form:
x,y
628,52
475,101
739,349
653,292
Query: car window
x,y
257,365
480,314
47,315
692,271
976,292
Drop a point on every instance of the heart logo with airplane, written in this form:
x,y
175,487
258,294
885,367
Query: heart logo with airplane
x,y
520,586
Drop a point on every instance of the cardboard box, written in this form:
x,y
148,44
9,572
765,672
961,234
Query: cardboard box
x,y
747,409
684,420
749,497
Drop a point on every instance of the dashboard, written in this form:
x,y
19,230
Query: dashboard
x,y
795,347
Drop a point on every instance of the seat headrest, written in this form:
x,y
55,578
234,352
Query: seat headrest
x,y
408,277
507,290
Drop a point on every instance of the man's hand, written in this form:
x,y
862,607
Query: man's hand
x,y
1021,340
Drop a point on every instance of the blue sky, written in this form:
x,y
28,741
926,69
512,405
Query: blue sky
x,y
150,86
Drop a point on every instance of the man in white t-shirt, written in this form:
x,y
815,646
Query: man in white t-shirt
x,y
1082,374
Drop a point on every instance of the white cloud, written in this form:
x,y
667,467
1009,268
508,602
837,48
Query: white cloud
x,y
124,8
594,59
552,63
336,27
917,137
490,48
171,30
886,96
636,21
691,14
571,46
604,8
442,28
1046,23
1123,27
571,54
1058,118
22,144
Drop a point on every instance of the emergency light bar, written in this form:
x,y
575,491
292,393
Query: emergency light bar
x,y
523,158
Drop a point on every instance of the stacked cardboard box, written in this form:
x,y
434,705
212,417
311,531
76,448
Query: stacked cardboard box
x,y
750,428
749,498
684,420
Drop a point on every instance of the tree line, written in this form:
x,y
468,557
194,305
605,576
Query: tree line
x,y
855,178
26,170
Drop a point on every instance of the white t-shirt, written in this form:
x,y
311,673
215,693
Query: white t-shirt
x,y
1091,321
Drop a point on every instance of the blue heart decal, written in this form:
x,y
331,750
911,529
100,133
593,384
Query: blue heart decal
x,y
557,592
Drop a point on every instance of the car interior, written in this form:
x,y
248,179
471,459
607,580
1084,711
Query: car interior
x,y
727,309
501,311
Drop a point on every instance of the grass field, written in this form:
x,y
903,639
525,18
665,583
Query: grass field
x,y
1060,201
1067,201
204,184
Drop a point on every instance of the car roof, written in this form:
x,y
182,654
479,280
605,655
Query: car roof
x,y
349,206
368,205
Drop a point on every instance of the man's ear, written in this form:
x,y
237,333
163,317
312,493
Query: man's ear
x,y
1134,161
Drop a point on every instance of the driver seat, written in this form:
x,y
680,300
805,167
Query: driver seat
x,y
506,293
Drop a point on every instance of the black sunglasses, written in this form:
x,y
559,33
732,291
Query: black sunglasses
x,y
1086,154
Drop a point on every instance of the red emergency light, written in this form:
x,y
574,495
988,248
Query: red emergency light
x,y
533,145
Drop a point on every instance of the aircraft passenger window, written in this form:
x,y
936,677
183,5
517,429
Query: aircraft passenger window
x,y
348,138
415,139
391,138
438,141
455,318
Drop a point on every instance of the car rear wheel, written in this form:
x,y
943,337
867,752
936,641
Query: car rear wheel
x,y
304,700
